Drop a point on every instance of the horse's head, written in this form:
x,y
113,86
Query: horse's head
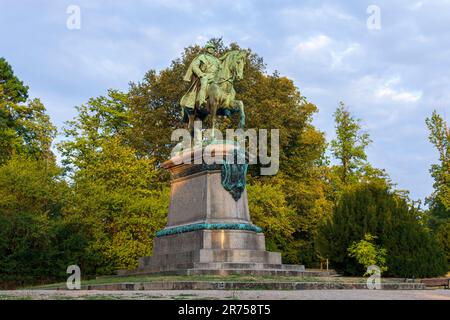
x,y
238,66
235,61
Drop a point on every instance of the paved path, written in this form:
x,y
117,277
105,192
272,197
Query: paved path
x,y
241,295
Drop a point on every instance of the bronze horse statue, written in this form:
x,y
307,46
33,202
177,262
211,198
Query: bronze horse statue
x,y
221,96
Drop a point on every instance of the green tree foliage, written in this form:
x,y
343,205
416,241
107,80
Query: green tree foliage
x,y
24,128
36,244
114,190
13,89
272,102
115,195
100,119
368,254
443,238
105,217
371,208
349,145
439,201
439,136
349,149
270,211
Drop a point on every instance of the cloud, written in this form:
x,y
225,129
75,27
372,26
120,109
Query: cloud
x,y
339,57
392,78
322,52
293,15
387,89
382,89
400,96
313,44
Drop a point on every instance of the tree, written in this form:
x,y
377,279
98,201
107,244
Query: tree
x,y
36,243
439,201
271,212
412,250
271,102
349,145
115,190
14,90
368,254
443,238
24,128
116,195
98,120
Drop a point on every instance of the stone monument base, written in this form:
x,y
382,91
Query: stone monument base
x,y
209,230
213,252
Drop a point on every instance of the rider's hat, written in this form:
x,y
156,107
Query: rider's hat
x,y
210,44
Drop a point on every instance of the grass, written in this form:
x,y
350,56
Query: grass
x,y
156,278
230,278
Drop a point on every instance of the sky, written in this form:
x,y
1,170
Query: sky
x,y
389,61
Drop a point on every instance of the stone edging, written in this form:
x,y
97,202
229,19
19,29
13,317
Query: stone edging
x,y
217,285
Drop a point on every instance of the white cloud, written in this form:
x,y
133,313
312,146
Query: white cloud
x,y
399,96
338,57
326,12
383,101
382,89
389,90
313,44
323,52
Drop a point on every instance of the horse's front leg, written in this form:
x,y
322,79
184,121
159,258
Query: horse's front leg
x,y
240,106
195,133
213,115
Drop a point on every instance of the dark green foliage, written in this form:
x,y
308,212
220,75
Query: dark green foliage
x,y
103,214
14,89
412,251
116,191
443,237
36,244
24,128
271,102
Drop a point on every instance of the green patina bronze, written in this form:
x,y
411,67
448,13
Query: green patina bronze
x,y
211,92
211,88
233,174
208,226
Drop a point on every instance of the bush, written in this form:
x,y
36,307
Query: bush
x,y
443,237
372,208
368,254
36,243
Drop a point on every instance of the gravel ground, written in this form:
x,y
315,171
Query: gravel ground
x,y
229,295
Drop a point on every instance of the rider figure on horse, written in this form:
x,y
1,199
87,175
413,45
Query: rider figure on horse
x,y
211,90
201,72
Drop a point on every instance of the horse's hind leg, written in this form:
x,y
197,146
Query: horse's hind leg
x,y
240,106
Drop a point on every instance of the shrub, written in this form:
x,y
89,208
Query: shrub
x,y
371,208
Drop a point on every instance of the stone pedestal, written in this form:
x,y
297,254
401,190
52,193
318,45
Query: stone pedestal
x,y
209,230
